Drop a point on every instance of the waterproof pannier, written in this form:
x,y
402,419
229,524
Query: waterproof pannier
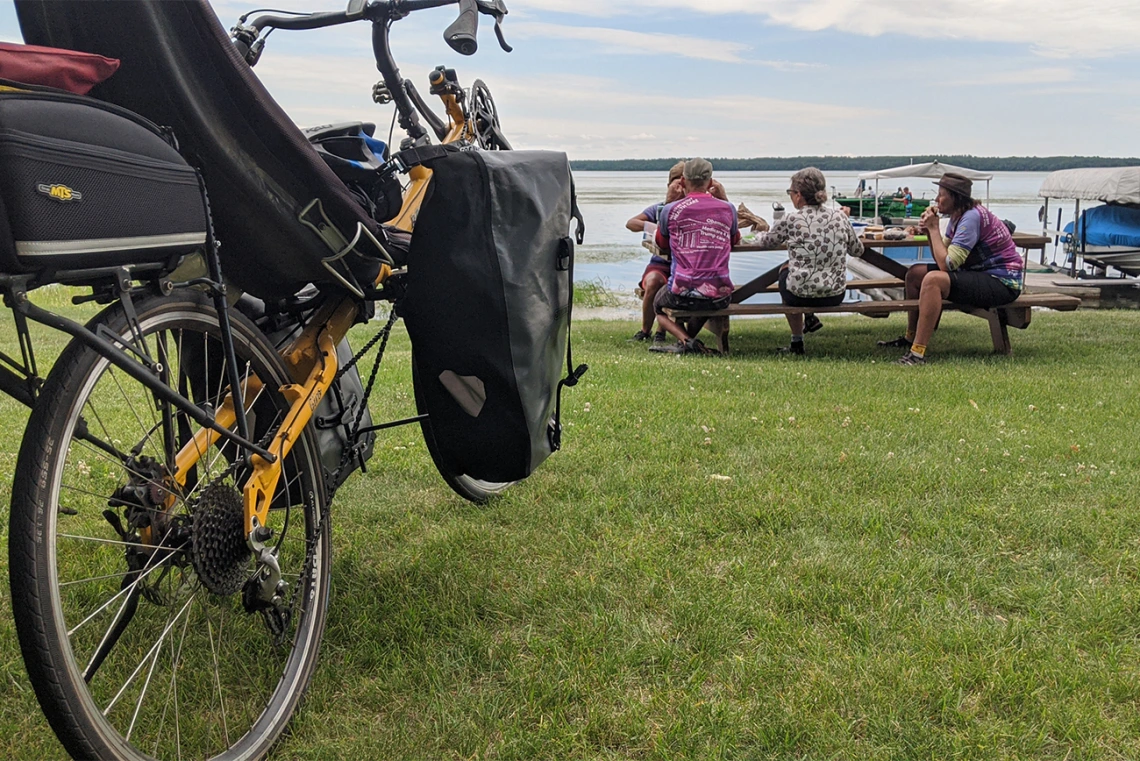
x,y
488,308
86,185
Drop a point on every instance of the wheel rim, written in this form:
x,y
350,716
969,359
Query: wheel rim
x,y
193,675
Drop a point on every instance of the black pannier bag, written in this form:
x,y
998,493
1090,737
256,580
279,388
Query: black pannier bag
x,y
488,307
86,185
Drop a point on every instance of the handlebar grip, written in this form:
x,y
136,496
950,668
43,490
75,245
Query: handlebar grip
x,y
461,34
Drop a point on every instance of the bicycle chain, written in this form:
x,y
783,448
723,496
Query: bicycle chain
x,y
351,450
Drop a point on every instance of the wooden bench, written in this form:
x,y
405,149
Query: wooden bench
x,y
1015,314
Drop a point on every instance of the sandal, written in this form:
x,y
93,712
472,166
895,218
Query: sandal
x,y
811,323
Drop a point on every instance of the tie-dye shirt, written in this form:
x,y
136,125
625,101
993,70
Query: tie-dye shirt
x,y
980,242
699,231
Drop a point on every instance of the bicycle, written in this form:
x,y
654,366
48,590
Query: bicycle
x,y
170,523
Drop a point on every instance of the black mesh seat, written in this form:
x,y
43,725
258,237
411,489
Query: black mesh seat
x,y
179,69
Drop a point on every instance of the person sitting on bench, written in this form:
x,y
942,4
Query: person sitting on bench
x,y
657,271
977,264
699,231
819,240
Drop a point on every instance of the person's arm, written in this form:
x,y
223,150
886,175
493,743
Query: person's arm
x,y
735,225
775,237
967,233
716,190
938,247
637,224
854,245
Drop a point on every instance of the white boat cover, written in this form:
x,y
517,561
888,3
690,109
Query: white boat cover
x,y
1109,184
931,169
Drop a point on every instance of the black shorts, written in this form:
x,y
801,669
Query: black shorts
x,y
977,289
792,300
666,299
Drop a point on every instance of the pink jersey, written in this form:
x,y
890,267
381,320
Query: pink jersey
x,y
700,231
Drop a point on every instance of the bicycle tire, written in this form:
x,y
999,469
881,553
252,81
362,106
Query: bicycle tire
x,y
192,675
472,489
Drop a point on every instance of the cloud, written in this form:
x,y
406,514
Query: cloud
x,y
1051,27
1034,76
626,42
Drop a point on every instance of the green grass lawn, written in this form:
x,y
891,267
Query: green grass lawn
x,y
829,557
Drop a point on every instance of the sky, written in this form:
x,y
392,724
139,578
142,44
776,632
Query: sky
x,y
743,78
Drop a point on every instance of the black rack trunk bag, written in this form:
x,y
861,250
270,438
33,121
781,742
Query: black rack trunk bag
x,y
86,185
488,307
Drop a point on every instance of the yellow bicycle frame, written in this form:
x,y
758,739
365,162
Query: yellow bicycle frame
x,y
311,360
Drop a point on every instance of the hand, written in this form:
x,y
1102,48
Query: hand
x,y
675,191
929,220
716,190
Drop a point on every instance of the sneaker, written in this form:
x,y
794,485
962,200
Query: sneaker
x,y
910,358
640,335
659,337
902,342
795,347
811,323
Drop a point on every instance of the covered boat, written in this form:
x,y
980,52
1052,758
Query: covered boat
x,y
1105,235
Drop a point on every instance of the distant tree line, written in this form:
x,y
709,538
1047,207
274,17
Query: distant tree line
x,y
864,163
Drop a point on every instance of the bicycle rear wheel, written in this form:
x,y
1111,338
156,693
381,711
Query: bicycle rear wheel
x,y
113,561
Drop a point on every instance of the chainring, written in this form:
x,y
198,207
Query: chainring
x,y
485,116
220,555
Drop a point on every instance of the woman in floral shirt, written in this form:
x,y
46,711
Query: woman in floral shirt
x,y
819,240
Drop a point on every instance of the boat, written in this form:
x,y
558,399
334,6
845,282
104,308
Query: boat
x,y
886,206
876,205
1103,236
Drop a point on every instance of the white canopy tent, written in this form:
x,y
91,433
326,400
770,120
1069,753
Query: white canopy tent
x,y
933,169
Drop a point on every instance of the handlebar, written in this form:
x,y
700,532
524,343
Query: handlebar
x,y
378,11
460,35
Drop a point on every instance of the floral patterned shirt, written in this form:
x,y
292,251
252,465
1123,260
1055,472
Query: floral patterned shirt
x,y
819,240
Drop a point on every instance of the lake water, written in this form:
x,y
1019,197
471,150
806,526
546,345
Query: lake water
x,y
613,257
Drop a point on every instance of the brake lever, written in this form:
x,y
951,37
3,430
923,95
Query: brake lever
x,y
496,9
499,34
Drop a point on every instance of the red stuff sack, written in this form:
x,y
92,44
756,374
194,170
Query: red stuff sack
x,y
67,70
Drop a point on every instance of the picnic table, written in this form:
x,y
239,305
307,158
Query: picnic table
x,y
1016,314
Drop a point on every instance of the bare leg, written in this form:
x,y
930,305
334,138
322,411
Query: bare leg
x,y
796,323
914,277
935,288
652,284
672,327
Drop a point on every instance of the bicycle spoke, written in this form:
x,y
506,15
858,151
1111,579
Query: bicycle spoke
x,y
172,689
126,590
150,653
115,377
217,676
